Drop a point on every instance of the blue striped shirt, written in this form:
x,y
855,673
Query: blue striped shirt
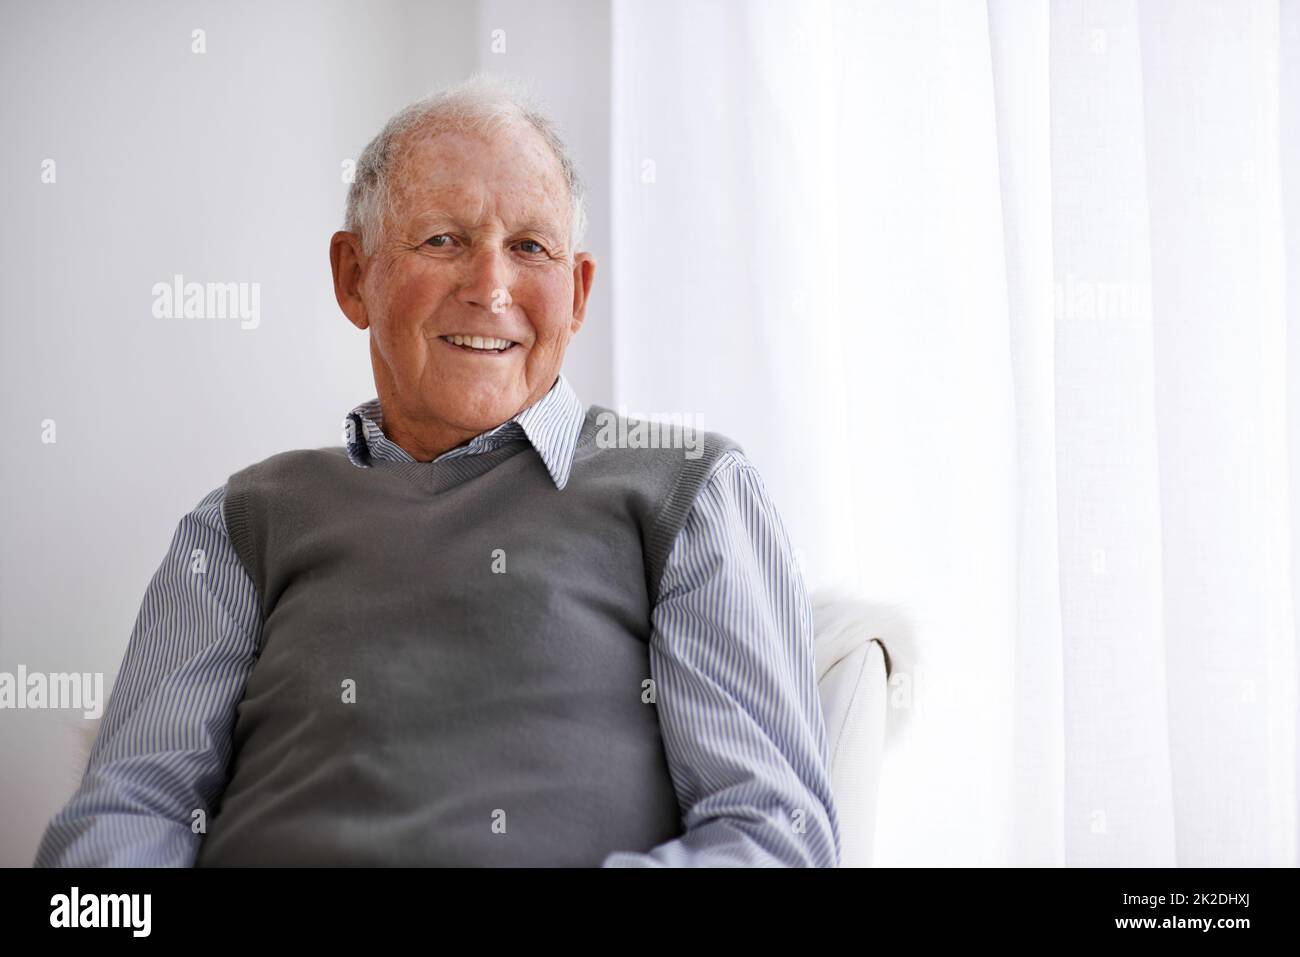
x,y
731,654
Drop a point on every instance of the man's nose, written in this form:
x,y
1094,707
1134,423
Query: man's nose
x,y
486,282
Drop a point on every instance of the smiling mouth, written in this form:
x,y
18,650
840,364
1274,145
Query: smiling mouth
x,y
483,345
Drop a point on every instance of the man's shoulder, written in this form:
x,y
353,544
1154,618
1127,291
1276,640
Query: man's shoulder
x,y
294,470
671,435
293,460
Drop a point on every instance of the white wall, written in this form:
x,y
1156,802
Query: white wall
x,y
223,166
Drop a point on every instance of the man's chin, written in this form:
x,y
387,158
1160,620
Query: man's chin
x,y
483,408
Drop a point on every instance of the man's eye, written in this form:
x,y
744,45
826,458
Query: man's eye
x,y
434,241
530,242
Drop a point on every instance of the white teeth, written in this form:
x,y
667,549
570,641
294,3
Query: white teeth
x,y
479,342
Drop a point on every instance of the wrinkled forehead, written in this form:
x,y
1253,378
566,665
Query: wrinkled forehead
x,y
510,173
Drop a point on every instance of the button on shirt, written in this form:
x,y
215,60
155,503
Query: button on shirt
x,y
731,655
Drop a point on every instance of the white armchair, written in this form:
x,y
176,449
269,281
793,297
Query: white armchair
x,y
858,646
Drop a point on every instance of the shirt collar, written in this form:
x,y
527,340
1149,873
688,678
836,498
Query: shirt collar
x,y
551,425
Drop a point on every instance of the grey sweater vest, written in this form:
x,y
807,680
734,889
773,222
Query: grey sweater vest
x,y
454,658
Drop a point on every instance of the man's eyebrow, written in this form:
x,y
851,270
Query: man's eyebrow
x,y
532,225
425,215
546,229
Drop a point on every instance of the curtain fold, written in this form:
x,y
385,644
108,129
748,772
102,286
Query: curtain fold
x,y
1018,51
1210,76
996,298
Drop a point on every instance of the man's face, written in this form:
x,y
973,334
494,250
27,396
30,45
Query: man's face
x,y
476,248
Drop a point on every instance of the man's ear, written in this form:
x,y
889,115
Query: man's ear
x,y
349,264
584,273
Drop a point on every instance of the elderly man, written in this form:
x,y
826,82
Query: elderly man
x,y
475,634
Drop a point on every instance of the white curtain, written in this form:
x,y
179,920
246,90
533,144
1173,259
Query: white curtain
x,y
997,298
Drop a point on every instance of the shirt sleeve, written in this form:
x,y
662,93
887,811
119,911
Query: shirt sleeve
x,y
164,744
731,655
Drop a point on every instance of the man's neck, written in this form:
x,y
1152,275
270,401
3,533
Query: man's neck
x,y
436,438
427,445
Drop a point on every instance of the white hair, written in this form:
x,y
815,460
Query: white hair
x,y
480,104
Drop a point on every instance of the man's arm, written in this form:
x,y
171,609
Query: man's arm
x,y
731,654
164,745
